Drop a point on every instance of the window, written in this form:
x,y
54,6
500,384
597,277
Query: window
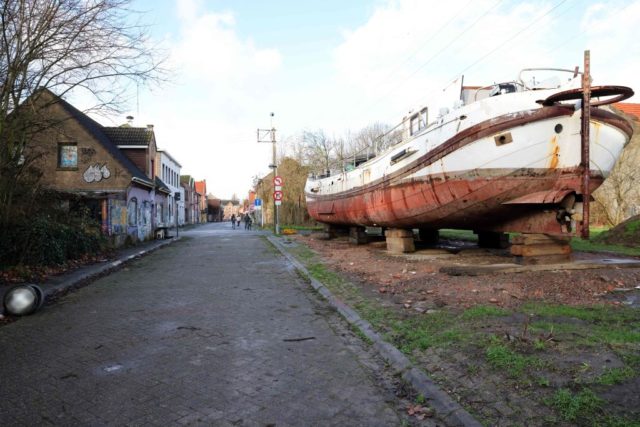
x,y
67,156
419,121
132,212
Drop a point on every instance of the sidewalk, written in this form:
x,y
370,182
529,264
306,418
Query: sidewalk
x,y
60,284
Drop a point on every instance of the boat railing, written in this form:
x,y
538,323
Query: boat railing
x,y
576,72
499,87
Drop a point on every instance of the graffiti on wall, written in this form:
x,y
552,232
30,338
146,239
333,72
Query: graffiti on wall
x,y
118,216
96,173
144,224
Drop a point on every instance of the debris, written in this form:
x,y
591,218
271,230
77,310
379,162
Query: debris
x,y
493,300
298,339
419,411
188,328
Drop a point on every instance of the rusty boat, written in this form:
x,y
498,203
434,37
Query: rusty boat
x,y
509,157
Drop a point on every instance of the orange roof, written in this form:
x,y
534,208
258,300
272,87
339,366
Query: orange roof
x,y
629,108
201,187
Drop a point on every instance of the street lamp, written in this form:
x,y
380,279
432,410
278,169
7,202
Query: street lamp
x,y
22,300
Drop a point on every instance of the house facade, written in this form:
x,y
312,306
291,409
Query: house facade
x,y
168,169
79,159
201,194
190,200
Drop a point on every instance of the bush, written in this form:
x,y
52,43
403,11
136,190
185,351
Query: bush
x,y
46,241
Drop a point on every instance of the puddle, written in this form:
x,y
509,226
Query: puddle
x,y
112,368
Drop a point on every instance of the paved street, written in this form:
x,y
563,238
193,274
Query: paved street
x,y
214,329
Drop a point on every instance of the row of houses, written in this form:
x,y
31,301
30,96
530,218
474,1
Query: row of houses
x,y
131,187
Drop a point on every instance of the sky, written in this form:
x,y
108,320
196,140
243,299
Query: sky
x,y
340,65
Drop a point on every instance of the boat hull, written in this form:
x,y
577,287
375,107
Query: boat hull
x,y
466,201
471,182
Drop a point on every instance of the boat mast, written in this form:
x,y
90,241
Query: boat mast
x,y
584,141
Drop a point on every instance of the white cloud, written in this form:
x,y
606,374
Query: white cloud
x,y
393,63
206,118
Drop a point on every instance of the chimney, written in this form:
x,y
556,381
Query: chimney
x,y
130,120
150,128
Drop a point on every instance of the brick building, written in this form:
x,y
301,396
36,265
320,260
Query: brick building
x,y
81,158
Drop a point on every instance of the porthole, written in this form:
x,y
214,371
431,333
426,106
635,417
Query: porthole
x,y
558,128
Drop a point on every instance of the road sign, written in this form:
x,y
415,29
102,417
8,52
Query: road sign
x,y
278,202
257,202
277,195
277,181
278,188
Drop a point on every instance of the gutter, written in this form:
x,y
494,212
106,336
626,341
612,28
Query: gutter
x,y
142,182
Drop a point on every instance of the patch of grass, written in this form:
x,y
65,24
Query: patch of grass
x,y
303,227
467,235
539,344
361,335
615,375
601,313
585,405
578,244
420,333
631,227
613,421
543,382
321,273
303,253
499,356
482,311
420,399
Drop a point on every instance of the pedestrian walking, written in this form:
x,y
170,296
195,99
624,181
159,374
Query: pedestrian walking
x,y
238,220
247,222
233,221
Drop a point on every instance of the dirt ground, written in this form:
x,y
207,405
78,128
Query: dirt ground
x,y
415,280
556,372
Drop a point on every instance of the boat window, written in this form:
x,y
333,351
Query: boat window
x,y
502,88
419,121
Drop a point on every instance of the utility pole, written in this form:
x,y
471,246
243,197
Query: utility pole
x,y
269,136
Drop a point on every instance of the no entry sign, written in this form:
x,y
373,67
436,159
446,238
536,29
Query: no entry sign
x,y
277,196
277,181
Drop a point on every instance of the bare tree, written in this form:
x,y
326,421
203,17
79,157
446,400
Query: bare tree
x,y
319,150
619,195
94,46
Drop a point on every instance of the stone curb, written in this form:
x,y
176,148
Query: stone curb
x,y
446,407
66,282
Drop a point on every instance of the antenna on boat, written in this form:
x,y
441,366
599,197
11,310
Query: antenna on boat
x,y
584,142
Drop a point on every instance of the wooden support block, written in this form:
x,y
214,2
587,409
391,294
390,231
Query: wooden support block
x,y
331,231
398,232
540,249
400,245
399,240
358,235
532,239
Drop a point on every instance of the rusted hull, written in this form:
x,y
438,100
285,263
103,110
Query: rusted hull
x,y
465,201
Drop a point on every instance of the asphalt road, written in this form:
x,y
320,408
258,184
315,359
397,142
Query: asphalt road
x,y
215,329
